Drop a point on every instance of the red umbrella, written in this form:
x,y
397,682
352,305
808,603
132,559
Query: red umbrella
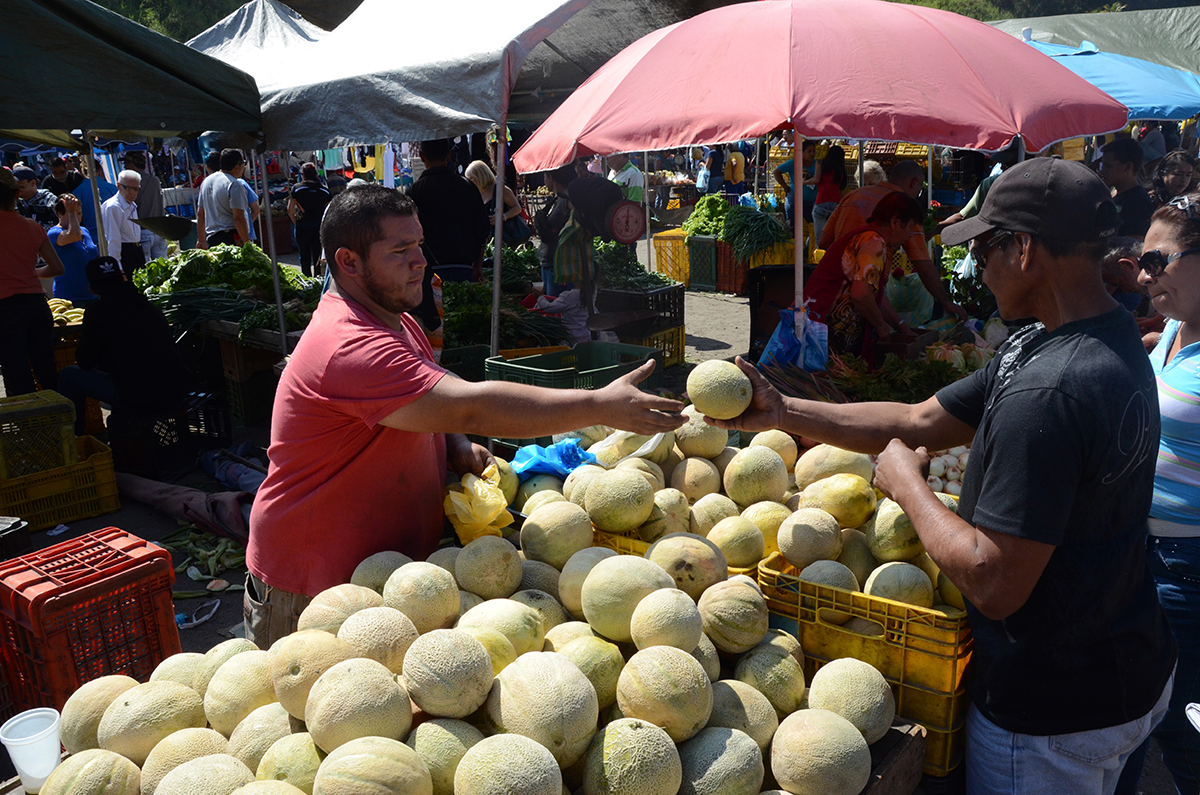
x,y
833,68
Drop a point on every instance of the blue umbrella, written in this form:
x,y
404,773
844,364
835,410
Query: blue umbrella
x,y
1149,90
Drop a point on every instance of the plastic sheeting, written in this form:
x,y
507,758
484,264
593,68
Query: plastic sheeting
x,y
70,64
257,34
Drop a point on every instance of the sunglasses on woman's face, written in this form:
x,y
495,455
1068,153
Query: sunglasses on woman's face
x,y
1154,262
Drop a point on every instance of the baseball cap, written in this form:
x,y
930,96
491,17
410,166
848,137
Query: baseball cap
x,y
1045,197
103,269
24,172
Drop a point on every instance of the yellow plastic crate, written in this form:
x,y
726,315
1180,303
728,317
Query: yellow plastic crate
x,y
64,494
779,254
37,434
629,545
671,255
671,341
911,150
924,654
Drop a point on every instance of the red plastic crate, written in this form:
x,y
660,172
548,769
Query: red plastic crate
x,y
95,605
731,274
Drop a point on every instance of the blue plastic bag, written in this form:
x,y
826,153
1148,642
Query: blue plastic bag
x,y
559,459
810,352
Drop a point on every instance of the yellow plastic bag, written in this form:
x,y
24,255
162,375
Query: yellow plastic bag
x,y
476,506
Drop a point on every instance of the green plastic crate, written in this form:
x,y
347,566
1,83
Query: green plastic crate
x,y
466,362
589,365
702,262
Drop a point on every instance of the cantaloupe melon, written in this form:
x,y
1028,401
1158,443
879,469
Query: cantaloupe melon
x,y
706,654
215,657
670,514
735,616
507,765
545,697
647,469
140,717
666,687
382,634
269,788
294,759
299,659
216,774
721,460
780,442
926,564
785,642
856,691
737,705
541,498
835,575
548,607
555,532
696,478
373,766
536,575
720,761
848,498
667,617
856,554
672,460
949,592
443,557
82,713
824,460
692,561
93,772
619,501
448,673
177,748
767,516
467,600
709,510
441,744
240,686
632,757
600,661
332,606
179,668
740,541
257,732
489,567
776,675
697,439
509,482
891,534
755,474
901,582
521,624
574,573
533,485
808,535
560,636
575,486
356,698
613,589
816,752
719,389
374,571
426,593
499,648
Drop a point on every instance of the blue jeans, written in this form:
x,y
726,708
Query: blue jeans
x,y
1000,762
550,288
821,213
77,385
1175,564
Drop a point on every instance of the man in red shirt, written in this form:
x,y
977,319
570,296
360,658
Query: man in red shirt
x,y
365,423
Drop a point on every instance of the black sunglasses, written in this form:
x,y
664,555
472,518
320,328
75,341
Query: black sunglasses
x,y
981,250
1154,262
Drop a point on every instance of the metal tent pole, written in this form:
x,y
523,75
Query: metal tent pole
x,y
269,233
498,231
90,155
646,206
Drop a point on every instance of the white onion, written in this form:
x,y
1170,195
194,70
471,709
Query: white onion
x,y
957,451
937,468
954,488
962,460
950,460
953,474
935,483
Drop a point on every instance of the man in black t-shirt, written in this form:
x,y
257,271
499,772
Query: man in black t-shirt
x,y
1120,162
452,215
61,180
1073,662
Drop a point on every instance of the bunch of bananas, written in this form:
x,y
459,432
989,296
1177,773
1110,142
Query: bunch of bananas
x,y
65,312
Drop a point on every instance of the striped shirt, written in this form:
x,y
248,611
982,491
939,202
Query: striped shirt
x,y
1177,475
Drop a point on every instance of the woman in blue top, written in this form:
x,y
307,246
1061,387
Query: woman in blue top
x,y
1170,270
75,248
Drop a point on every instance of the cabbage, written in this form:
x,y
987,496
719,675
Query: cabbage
x,y
995,332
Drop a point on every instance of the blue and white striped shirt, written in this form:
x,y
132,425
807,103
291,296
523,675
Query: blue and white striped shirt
x,y
1177,475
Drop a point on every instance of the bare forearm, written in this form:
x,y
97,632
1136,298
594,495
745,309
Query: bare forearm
x,y
862,427
869,309
509,410
243,228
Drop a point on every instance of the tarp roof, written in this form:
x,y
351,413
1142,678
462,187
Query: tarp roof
x,y
254,35
1149,90
70,64
1168,36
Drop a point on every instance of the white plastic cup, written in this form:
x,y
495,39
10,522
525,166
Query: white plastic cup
x,y
32,742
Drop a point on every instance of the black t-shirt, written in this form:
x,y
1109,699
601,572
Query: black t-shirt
x,y
452,215
127,337
717,171
1067,431
74,179
313,199
1135,208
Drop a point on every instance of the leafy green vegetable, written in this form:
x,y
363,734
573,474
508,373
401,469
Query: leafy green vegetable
x,y
618,269
245,269
468,319
707,218
518,267
969,292
750,231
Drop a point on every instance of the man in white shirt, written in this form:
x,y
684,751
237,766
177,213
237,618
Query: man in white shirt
x,y
149,203
124,237
223,204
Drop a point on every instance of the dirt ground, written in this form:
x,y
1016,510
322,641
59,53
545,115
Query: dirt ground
x,y
717,327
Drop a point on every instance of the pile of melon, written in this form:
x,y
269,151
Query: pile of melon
x,y
559,668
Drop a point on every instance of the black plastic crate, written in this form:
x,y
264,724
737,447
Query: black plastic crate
x,y
666,301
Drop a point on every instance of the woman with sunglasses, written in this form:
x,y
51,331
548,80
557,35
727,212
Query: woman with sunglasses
x,y
1175,176
1170,265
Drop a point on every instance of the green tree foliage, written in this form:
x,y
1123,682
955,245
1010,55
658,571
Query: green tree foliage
x,y
179,19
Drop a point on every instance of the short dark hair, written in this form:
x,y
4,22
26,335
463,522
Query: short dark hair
x,y
564,175
1184,226
309,172
436,149
900,206
1091,250
57,161
1117,248
135,160
905,169
213,161
354,218
60,207
1126,150
231,159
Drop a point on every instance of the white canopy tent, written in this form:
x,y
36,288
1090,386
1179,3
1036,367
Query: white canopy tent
x,y
256,35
